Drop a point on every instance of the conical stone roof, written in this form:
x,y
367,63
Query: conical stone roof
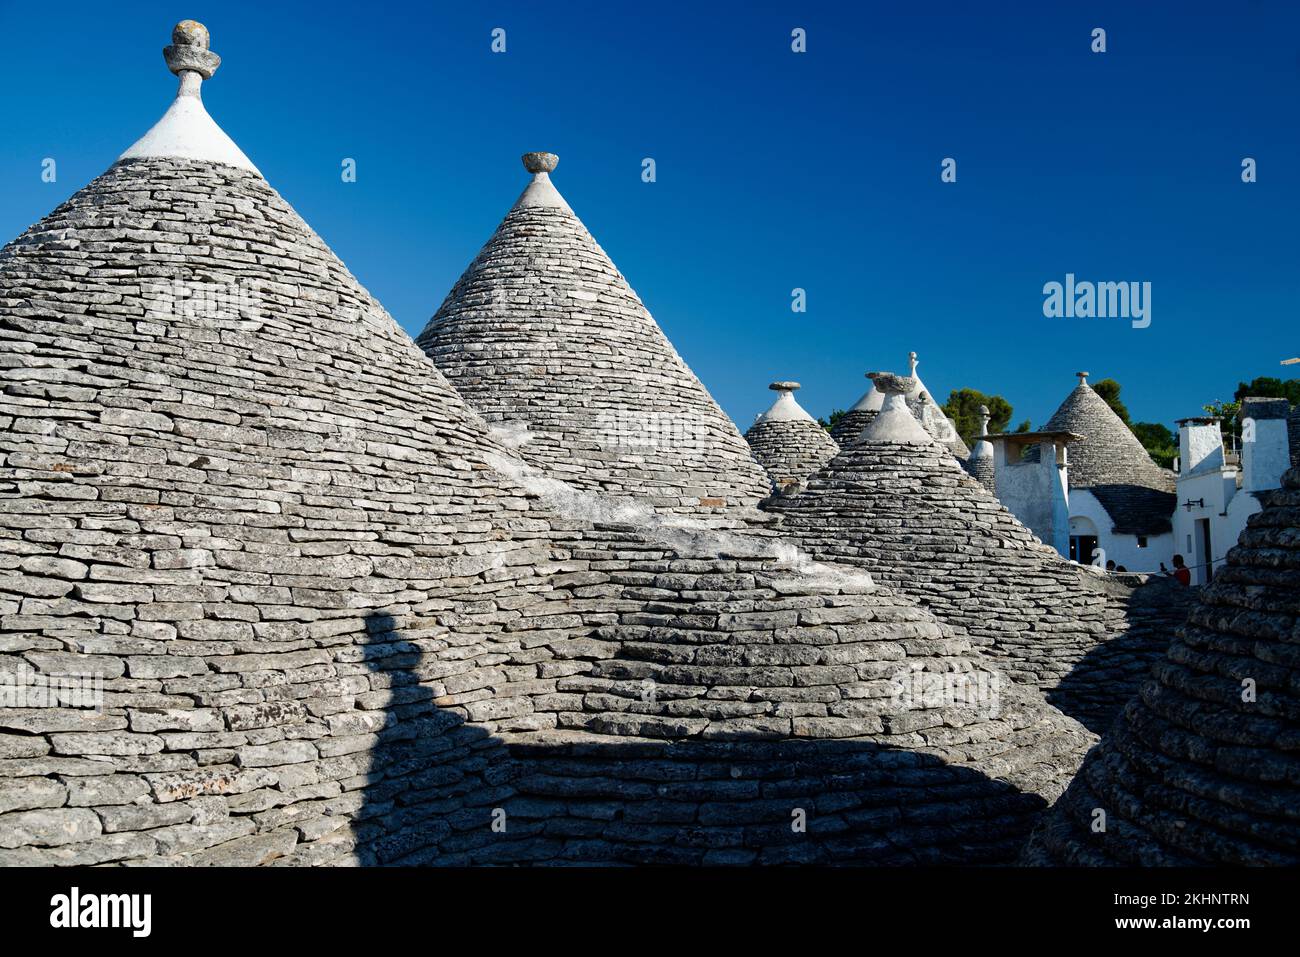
x,y
919,399
326,618
788,442
1111,463
980,463
544,333
858,417
1201,766
898,504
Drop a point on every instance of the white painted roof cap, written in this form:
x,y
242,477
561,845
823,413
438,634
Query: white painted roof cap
x,y
185,130
541,191
785,408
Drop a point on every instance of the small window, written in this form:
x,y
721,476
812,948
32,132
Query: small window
x,y
1142,541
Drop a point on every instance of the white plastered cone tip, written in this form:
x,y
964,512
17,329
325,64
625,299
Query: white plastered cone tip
x,y
186,131
541,191
785,408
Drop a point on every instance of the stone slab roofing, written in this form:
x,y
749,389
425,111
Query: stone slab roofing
x,y
544,333
905,510
323,616
788,442
1110,462
1201,767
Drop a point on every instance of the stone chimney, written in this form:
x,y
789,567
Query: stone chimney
x,y
1265,451
1200,445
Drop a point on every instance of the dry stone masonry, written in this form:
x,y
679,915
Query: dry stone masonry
x,y
788,442
325,616
542,333
899,504
1111,463
1201,766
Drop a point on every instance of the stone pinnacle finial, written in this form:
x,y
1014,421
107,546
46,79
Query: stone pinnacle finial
x,y
911,364
189,50
984,420
540,162
1083,377
891,384
785,387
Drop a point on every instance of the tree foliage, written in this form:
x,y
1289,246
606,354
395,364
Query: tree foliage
x,y
1268,387
1158,440
1109,391
963,407
834,420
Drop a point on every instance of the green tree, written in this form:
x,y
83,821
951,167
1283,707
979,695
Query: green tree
x,y
963,407
1025,426
1109,390
836,415
1268,387
1161,444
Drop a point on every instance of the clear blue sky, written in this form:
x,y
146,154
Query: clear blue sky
x,y
775,170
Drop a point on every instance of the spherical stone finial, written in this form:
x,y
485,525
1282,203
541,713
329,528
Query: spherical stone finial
x,y
190,33
540,162
189,51
785,387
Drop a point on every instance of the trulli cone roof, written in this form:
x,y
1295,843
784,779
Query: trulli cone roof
x,y
1111,463
543,332
1201,766
858,417
335,622
919,399
787,441
899,505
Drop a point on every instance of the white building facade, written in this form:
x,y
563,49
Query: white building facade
x,y
1216,496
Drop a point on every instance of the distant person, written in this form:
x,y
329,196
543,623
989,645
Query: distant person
x,y
1120,568
1110,565
1180,572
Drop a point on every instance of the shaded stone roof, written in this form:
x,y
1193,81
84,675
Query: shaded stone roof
x,y
542,331
788,442
1110,462
851,424
1293,434
1201,766
907,512
336,622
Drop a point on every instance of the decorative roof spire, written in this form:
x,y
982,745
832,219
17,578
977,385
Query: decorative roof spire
x,y
541,192
186,131
1083,377
785,408
911,364
895,423
984,420
189,51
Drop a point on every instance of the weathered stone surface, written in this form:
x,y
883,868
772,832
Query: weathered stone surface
x,y
911,516
48,828
544,335
1200,768
335,595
